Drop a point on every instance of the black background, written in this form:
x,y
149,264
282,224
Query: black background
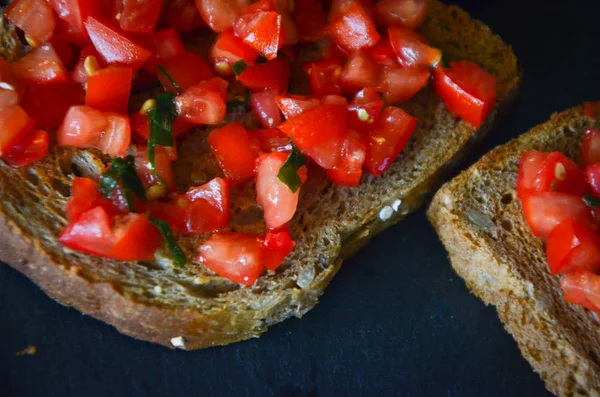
x,y
396,319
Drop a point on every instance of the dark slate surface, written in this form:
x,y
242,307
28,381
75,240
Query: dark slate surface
x,y
395,321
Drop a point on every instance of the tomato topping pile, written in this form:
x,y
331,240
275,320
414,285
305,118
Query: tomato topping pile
x,y
119,77
561,203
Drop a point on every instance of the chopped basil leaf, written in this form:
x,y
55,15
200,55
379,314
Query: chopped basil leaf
x,y
161,127
591,201
261,59
167,233
170,78
239,67
288,173
122,170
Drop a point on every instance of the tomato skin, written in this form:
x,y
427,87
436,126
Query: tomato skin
x,y
109,89
220,15
115,47
42,65
401,84
531,163
235,256
365,102
409,13
203,103
8,98
571,246
72,15
382,53
274,74
163,44
333,99
183,15
546,210
136,239
33,147
235,151
388,136
162,161
187,69
348,170
309,18
278,244
411,49
324,77
590,148
47,104
139,16
265,108
85,196
227,50
34,17
262,31
353,29
582,287
15,124
272,140
360,72
592,175
276,199
90,233
467,90
209,208
292,105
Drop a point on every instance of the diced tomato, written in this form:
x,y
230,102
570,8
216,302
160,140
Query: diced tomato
x,y
411,48
235,151
333,99
34,17
209,207
162,161
8,98
531,163
591,110
203,103
235,256
186,69
276,199
262,31
109,89
84,126
91,233
348,170
79,73
387,138
353,29
571,246
292,105
364,109
590,149
309,18
339,7
139,16
409,13
467,90
383,53
163,44
360,72
15,124
278,245
10,82
324,77
140,126
183,15
114,47
274,74
72,15
546,210
33,147
220,15
265,108
47,104
582,288
64,50
85,196
592,175
227,50
400,84
319,133
272,140
42,65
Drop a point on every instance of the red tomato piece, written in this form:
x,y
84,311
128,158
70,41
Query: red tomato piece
x,y
42,65
33,147
220,15
334,100
186,69
163,44
591,110
582,288
360,72
79,73
411,49
278,245
85,196
274,74
235,256
8,98
592,175
262,31
91,233
292,105
34,17
590,149
353,29
318,133
114,47
109,89
400,84
383,53
183,15
204,103
140,126
235,151
72,15
409,13
135,238
139,16
276,199
47,104
209,207
571,246
387,138
265,108
272,140
162,161
348,170
338,7
11,86
467,90
546,210
15,124
324,77
227,50
531,163
309,18
364,110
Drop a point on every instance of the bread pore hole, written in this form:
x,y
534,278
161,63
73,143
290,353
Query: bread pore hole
x,y
32,177
61,188
507,199
507,225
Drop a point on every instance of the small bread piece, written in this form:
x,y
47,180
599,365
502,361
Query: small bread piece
x,y
479,219
191,308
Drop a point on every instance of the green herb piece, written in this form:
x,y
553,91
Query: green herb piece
x,y
122,170
174,248
161,127
170,78
261,59
239,67
288,173
591,201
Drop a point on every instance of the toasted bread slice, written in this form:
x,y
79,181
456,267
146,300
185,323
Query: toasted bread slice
x,y
479,220
191,308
